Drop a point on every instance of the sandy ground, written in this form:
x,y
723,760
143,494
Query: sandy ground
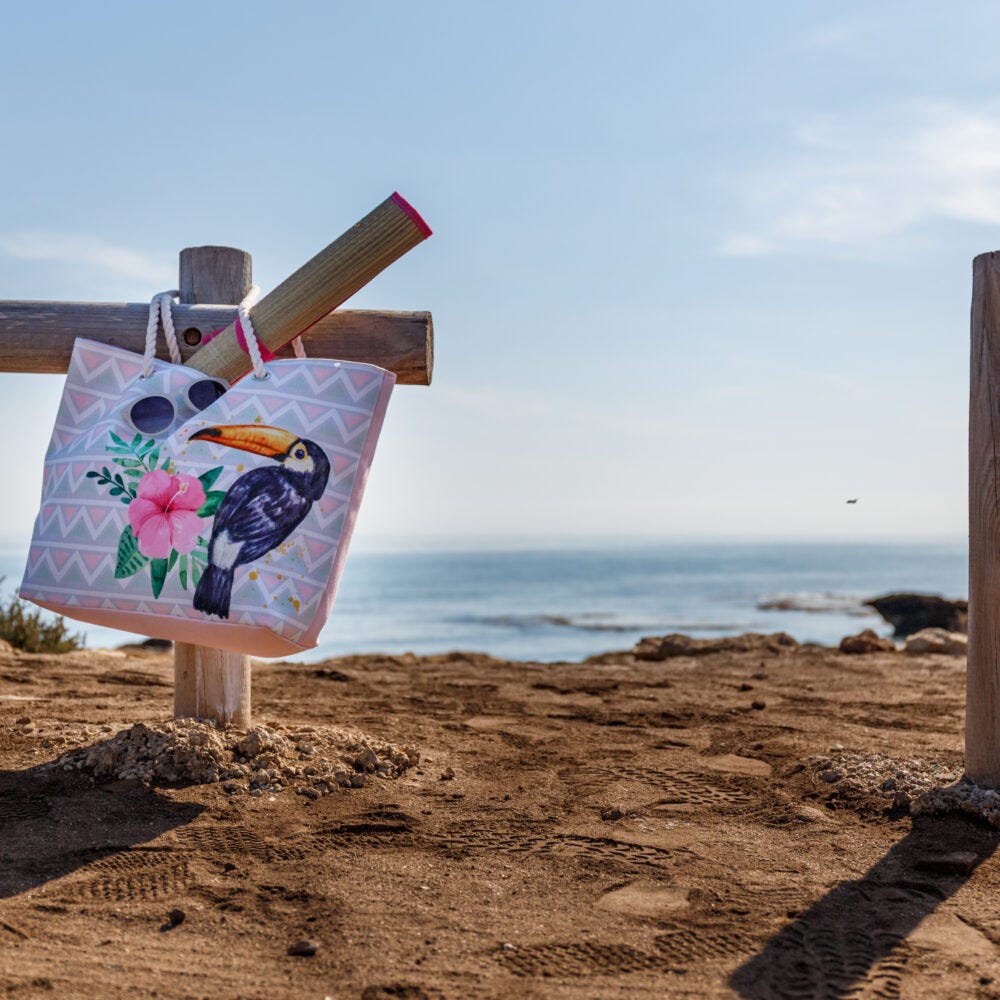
x,y
619,828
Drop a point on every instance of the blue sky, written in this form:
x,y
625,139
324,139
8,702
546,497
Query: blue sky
x,y
698,269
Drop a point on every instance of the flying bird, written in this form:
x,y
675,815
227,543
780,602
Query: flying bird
x,y
855,500
262,508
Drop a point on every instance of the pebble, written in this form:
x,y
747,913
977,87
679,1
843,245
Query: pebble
x,y
809,814
610,813
309,793
834,774
232,787
758,706
448,774
305,948
256,793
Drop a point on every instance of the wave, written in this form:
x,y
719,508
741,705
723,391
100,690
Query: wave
x,y
813,603
596,622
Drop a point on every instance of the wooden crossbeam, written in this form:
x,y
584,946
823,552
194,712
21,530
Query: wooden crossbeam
x,y
38,336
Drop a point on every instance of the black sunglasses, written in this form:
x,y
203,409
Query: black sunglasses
x,y
153,414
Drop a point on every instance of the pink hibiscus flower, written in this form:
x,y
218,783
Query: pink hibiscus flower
x,y
163,514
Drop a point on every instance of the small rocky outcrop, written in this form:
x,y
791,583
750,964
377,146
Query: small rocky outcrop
x,y
909,613
148,647
937,640
675,644
866,642
313,760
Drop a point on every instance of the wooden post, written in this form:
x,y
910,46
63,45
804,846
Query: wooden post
x,y
982,689
212,683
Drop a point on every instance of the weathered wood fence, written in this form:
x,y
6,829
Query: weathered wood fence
x,y
38,337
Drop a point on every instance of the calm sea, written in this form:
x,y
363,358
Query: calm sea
x,y
565,603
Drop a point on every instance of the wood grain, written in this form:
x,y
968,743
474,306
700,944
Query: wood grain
x,y
982,690
212,683
39,336
213,272
319,286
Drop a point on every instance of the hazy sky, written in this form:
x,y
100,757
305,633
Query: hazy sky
x,y
698,269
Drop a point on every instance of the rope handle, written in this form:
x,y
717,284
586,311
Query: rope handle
x,y
160,311
253,348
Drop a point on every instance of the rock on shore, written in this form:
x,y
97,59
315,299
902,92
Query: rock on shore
x,y
909,613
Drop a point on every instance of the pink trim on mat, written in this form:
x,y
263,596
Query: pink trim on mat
x,y
412,213
240,339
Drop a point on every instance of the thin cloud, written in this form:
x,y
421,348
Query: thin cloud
x,y
829,36
863,182
84,251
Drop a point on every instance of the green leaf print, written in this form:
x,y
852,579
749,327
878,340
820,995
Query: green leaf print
x,y
158,574
130,560
212,500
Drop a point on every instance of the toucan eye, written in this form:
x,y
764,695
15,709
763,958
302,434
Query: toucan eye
x,y
300,453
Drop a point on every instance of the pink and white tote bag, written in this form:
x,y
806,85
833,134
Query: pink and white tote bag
x,y
178,507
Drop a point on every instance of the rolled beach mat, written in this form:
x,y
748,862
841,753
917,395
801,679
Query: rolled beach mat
x,y
319,286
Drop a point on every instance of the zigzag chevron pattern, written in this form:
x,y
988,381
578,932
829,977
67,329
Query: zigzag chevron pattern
x,y
71,563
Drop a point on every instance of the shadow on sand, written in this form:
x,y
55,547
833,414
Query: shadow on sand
x,y
53,822
853,936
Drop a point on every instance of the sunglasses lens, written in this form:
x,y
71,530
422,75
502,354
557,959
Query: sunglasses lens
x,y
152,414
204,393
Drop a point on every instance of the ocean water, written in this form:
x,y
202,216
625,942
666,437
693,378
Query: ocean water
x,y
568,603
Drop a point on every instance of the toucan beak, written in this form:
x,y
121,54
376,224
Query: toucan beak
x,y
258,438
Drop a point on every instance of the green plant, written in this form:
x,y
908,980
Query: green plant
x,y
27,628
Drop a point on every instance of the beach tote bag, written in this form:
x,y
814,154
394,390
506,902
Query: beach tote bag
x,y
176,506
